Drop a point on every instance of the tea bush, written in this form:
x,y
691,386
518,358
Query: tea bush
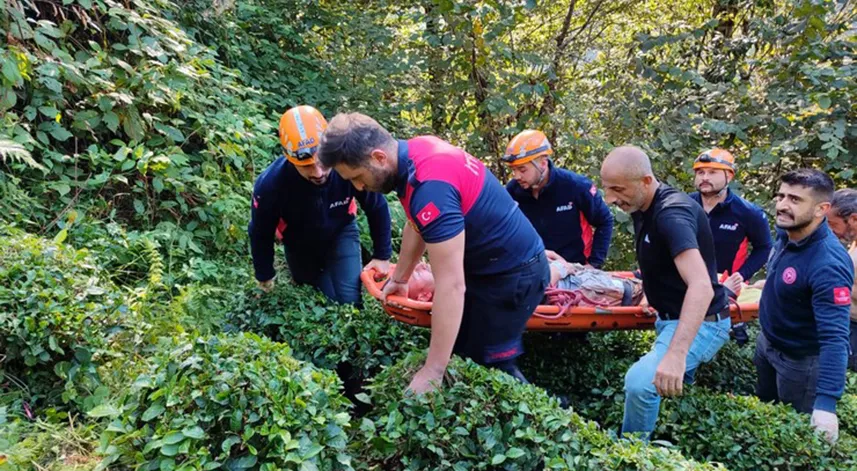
x,y
236,402
324,332
484,419
746,434
59,317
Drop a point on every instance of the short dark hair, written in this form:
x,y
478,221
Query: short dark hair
x,y
820,182
349,138
844,202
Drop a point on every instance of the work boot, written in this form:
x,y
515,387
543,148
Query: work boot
x,y
739,333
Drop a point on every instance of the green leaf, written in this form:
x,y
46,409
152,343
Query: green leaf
x,y
158,184
138,206
61,188
194,432
229,442
173,437
498,459
111,120
104,410
245,462
133,125
513,453
60,238
49,111
363,397
170,132
170,450
11,72
155,409
308,466
59,133
823,101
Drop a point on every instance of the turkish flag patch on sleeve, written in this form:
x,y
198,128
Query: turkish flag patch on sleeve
x,y
842,296
428,214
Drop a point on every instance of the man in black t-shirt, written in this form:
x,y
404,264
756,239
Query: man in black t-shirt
x,y
675,252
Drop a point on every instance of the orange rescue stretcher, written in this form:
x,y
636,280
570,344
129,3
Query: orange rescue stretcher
x,y
546,317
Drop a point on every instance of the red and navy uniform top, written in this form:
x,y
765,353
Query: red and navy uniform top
x,y
308,217
444,190
738,225
805,306
564,215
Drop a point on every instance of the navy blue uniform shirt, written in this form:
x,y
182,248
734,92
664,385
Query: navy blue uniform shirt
x,y
564,215
672,224
805,306
738,225
444,190
309,216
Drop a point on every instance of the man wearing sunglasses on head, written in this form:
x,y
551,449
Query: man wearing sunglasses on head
x,y
313,211
737,225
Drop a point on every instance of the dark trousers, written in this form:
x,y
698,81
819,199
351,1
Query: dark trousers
x,y
852,359
783,378
336,273
496,311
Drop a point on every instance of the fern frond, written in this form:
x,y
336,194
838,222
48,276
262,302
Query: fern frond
x,y
12,150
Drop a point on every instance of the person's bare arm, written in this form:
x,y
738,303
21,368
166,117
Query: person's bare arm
x,y
670,374
413,248
447,259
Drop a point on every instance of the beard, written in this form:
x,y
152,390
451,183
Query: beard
x,y
710,189
384,182
796,223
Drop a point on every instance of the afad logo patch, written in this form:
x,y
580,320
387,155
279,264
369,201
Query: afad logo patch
x,y
842,296
428,214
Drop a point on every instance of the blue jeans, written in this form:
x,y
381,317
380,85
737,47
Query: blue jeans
x,y
784,378
336,273
642,401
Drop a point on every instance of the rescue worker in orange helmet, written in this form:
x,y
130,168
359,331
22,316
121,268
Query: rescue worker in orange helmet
x,y
564,207
313,211
742,236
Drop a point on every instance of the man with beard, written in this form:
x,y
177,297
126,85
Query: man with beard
x,y
735,223
675,252
842,220
802,351
314,212
562,205
489,264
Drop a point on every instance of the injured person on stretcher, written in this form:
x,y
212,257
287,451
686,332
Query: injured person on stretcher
x,y
571,285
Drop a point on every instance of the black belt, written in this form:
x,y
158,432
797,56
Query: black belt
x,y
717,316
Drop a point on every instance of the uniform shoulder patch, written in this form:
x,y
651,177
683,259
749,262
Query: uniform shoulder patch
x,y
842,296
428,214
593,190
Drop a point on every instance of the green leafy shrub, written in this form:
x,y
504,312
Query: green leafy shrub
x,y
129,119
323,332
746,434
732,369
58,316
482,419
236,402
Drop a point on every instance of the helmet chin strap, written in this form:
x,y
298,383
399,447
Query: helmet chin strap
x,y
538,184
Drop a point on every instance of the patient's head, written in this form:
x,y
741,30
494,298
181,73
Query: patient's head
x,y
421,284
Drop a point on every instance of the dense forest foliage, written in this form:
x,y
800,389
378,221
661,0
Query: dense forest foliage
x,y
131,131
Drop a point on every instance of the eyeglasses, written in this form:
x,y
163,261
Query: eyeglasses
x,y
706,158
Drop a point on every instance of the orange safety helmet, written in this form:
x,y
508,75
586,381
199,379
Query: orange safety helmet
x,y
717,158
527,146
300,132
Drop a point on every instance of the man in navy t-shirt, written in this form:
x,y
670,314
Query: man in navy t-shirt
x,y
488,262
564,207
314,212
802,351
675,252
